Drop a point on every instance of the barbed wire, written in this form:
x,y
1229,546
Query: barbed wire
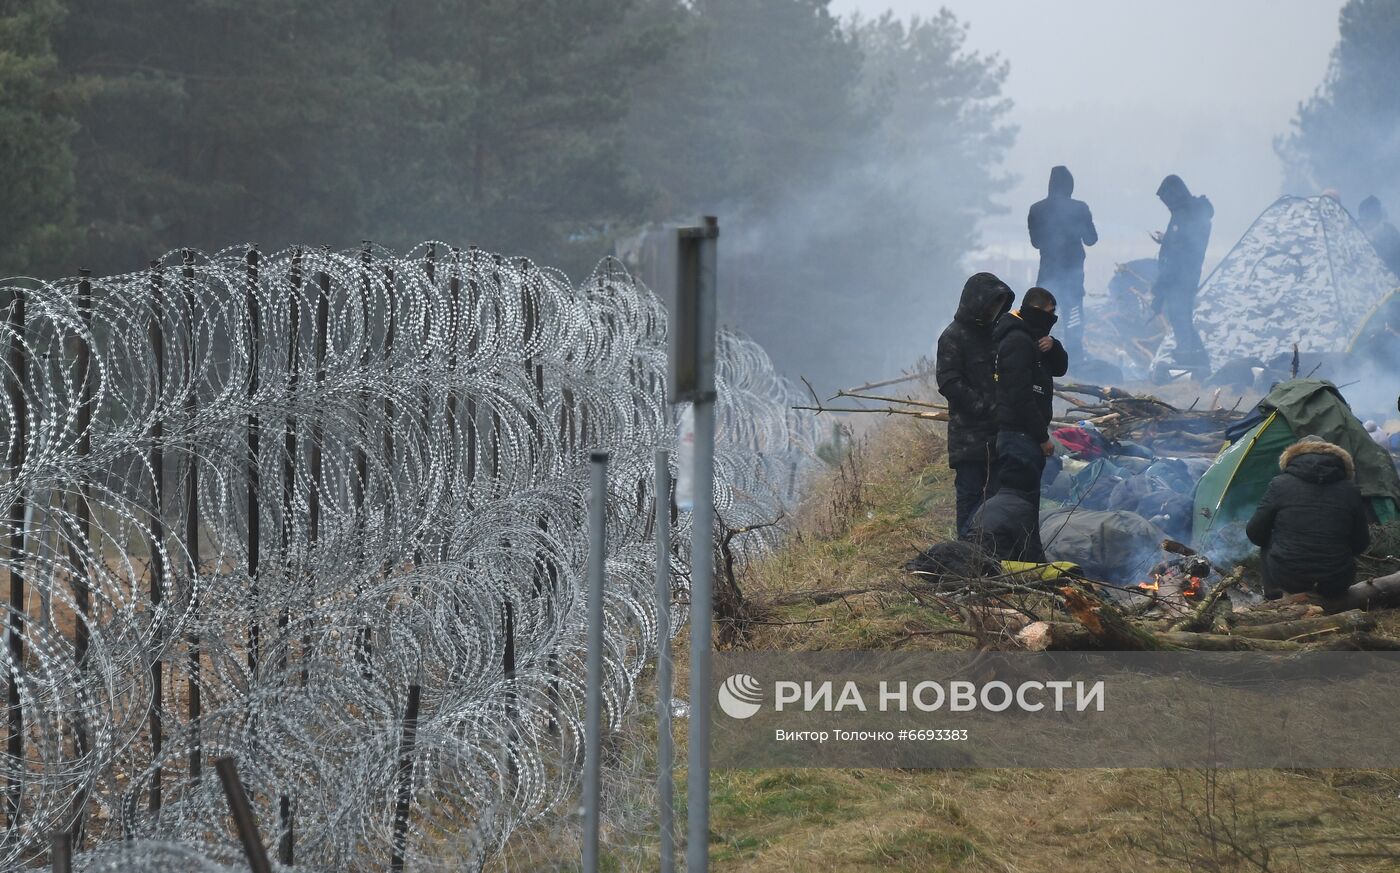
x,y
323,512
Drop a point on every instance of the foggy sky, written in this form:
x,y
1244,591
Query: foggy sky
x,y
1125,93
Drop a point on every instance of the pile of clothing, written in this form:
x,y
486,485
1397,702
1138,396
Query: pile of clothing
x,y
1089,472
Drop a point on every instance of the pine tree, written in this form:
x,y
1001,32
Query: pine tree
x,y
37,226
1347,137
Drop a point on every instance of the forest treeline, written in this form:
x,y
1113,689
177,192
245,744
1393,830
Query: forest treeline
x,y
850,160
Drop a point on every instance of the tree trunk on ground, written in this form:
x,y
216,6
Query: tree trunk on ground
x,y
1372,594
1224,643
1106,624
1342,623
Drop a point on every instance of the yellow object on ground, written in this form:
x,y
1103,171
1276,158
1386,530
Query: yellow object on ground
x,y
1045,572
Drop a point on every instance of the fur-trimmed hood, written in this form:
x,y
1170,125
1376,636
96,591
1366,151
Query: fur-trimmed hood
x,y
1317,447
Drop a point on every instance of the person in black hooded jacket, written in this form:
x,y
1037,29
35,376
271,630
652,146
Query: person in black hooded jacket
x,y
1008,524
1060,228
965,371
1179,264
1028,360
1311,523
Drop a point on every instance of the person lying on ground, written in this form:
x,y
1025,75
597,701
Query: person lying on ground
x,y
1028,360
1311,524
1007,525
965,373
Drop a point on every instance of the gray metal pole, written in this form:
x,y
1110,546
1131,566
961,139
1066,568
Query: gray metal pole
x,y
702,563
664,752
593,704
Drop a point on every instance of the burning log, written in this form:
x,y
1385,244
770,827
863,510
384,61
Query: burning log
x,y
1205,616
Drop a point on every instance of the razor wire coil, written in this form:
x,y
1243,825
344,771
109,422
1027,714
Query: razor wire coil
x,y
253,500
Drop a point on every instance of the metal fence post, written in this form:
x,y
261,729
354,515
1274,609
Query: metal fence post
x,y
243,818
18,355
405,785
593,701
693,365
156,336
665,752
195,707
252,260
61,852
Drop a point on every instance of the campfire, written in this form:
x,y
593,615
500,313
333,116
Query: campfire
x,y
1185,576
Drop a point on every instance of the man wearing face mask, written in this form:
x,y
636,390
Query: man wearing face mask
x,y
1028,360
965,370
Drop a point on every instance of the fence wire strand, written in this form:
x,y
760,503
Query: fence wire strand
x,y
253,499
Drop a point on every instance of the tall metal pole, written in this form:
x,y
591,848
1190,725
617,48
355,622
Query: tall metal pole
x,y
19,439
82,587
156,337
195,706
697,287
398,849
254,451
665,753
593,701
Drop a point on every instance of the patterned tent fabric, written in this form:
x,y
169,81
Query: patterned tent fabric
x,y
1303,273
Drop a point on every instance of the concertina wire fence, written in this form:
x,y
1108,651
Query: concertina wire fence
x,y
324,513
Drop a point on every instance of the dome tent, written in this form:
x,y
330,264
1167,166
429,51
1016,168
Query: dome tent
x,y
1303,273
1231,489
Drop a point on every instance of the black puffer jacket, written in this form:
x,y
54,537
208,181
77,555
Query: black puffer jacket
x,y
1060,227
966,368
1008,526
1184,244
1025,378
1311,523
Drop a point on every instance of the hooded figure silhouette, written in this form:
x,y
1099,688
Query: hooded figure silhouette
x,y
1179,263
1060,228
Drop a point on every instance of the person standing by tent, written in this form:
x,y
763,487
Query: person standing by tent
x,y
1311,524
1028,360
1179,263
1385,239
1060,228
965,373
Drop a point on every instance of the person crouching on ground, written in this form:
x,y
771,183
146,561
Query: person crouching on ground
x,y
1311,524
1007,525
965,371
1028,360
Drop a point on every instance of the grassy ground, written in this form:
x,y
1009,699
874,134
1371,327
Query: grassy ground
x,y
890,498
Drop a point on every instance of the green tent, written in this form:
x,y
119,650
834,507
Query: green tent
x,y
1232,487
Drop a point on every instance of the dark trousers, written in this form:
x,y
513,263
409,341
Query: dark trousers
x,y
1180,310
1067,285
973,483
1014,447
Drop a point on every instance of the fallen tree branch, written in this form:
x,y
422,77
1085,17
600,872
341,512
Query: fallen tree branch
x,y
1353,620
819,597
1203,616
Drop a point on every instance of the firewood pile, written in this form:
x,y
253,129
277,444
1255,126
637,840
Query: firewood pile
x,y
1188,604
1119,415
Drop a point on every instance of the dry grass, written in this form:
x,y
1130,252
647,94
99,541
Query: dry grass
x,y
999,820
1007,821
